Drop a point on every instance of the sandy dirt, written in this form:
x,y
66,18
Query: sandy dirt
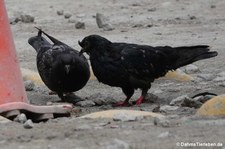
x,y
155,22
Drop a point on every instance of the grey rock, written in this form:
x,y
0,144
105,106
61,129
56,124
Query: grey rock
x,y
67,15
103,22
124,117
117,144
191,69
21,118
29,85
206,77
80,25
60,12
27,18
28,124
192,103
179,100
167,108
86,103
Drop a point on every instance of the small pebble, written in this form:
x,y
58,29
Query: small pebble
x,y
27,18
192,17
213,6
28,124
60,12
80,25
103,22
191,69
67,15
29,85
21,118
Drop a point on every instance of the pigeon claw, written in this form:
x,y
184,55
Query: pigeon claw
x,y
139,101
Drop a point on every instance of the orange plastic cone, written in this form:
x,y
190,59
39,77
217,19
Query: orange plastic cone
x,y
13,97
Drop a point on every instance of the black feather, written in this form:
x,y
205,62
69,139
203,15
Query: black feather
x,y
60,67
132,66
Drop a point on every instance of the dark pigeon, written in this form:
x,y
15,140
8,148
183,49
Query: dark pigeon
x,y
61,67
132,66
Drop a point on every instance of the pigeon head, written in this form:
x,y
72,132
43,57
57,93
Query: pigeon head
x,y
38,41
91,43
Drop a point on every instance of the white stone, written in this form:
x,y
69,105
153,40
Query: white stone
x,y
191,69
28,124
21,118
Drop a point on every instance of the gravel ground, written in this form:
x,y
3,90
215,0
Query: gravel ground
x,y
155,22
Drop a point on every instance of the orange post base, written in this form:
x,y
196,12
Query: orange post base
x,y
13,98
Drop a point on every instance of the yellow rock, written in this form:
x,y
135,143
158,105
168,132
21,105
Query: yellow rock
x,y
112,113
178,75
4,120
31,75
213,107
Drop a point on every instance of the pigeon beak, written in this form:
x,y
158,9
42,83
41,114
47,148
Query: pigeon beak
x,y
80,43
81,52
67,69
